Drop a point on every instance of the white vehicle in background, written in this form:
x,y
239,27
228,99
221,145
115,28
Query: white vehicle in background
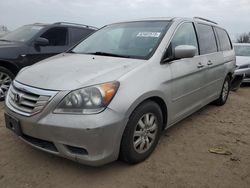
x,y
242,72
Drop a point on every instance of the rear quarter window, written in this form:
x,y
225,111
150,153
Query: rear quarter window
x,y
224,40
206,39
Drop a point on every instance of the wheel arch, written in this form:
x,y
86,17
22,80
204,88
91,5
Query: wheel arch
x,y
158,98
10,66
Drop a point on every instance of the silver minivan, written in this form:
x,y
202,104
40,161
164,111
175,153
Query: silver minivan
x,y
113,94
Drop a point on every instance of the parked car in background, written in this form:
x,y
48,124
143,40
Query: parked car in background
x,y
116,91
242,72
32,43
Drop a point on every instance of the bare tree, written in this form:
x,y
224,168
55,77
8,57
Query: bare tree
x,y
244,38
3,30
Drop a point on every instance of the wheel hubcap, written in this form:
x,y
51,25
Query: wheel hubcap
x,y
145,132
5,82
225,91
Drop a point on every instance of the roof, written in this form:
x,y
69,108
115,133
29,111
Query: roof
x,y
65,24
155,18
75,25
196,19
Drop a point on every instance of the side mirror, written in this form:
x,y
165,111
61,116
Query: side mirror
x,y
184,51
41,41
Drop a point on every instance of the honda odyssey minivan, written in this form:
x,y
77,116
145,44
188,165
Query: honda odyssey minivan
x,y
113,94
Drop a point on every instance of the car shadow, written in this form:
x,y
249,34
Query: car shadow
x,y
245,85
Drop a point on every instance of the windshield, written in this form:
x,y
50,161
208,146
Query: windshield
x,y
22,34
130,40
242,50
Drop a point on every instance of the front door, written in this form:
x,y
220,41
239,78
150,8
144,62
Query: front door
x,y
58,43
187,75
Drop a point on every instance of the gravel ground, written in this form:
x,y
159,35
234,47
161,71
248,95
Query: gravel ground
x,y
181,159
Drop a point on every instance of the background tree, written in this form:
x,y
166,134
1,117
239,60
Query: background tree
x,y
244,38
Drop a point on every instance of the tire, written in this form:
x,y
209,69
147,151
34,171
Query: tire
x,y
224,92
134,133
6,78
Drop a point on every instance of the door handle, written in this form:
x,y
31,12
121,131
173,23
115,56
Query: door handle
x,y
200,65
209,62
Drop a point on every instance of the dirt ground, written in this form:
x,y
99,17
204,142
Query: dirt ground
x,y
180,160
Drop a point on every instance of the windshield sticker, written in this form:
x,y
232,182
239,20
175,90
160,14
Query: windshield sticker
x,y
149,34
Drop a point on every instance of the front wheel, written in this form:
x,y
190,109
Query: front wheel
x,y
6,78
224,92
142,133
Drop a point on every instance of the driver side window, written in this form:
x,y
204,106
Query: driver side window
x,y
185,35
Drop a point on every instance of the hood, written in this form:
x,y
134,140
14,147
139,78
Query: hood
x,y
73,71
242,60
11,50
9,44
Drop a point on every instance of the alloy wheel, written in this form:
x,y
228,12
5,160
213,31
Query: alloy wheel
x,y
145,133
5,81
225,91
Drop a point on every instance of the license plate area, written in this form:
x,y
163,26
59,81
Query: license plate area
x,y
13,124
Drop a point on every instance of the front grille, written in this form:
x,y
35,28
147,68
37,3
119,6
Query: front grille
x,y
27,100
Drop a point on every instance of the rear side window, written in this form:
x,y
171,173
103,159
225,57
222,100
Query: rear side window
x,y
185,35
78,34
206,39
224,41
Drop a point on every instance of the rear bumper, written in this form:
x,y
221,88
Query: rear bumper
x,y
242,71
246,80
89,139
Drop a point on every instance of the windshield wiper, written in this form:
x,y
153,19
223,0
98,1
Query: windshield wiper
x,y
108,54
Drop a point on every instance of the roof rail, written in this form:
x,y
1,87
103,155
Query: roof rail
x,y
200,18
75,24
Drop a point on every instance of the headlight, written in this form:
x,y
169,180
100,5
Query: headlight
x,y
89,100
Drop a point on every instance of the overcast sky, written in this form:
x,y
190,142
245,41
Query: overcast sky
x,y
234,15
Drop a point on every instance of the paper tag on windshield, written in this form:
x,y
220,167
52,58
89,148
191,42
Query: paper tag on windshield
x,y
149,34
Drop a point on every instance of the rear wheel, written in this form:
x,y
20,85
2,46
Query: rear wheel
x,y
142,133
6,78
224,92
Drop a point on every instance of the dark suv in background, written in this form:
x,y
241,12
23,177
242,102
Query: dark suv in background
x,y
32,43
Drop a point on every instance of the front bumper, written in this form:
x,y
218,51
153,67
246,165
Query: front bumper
x,y
89,139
